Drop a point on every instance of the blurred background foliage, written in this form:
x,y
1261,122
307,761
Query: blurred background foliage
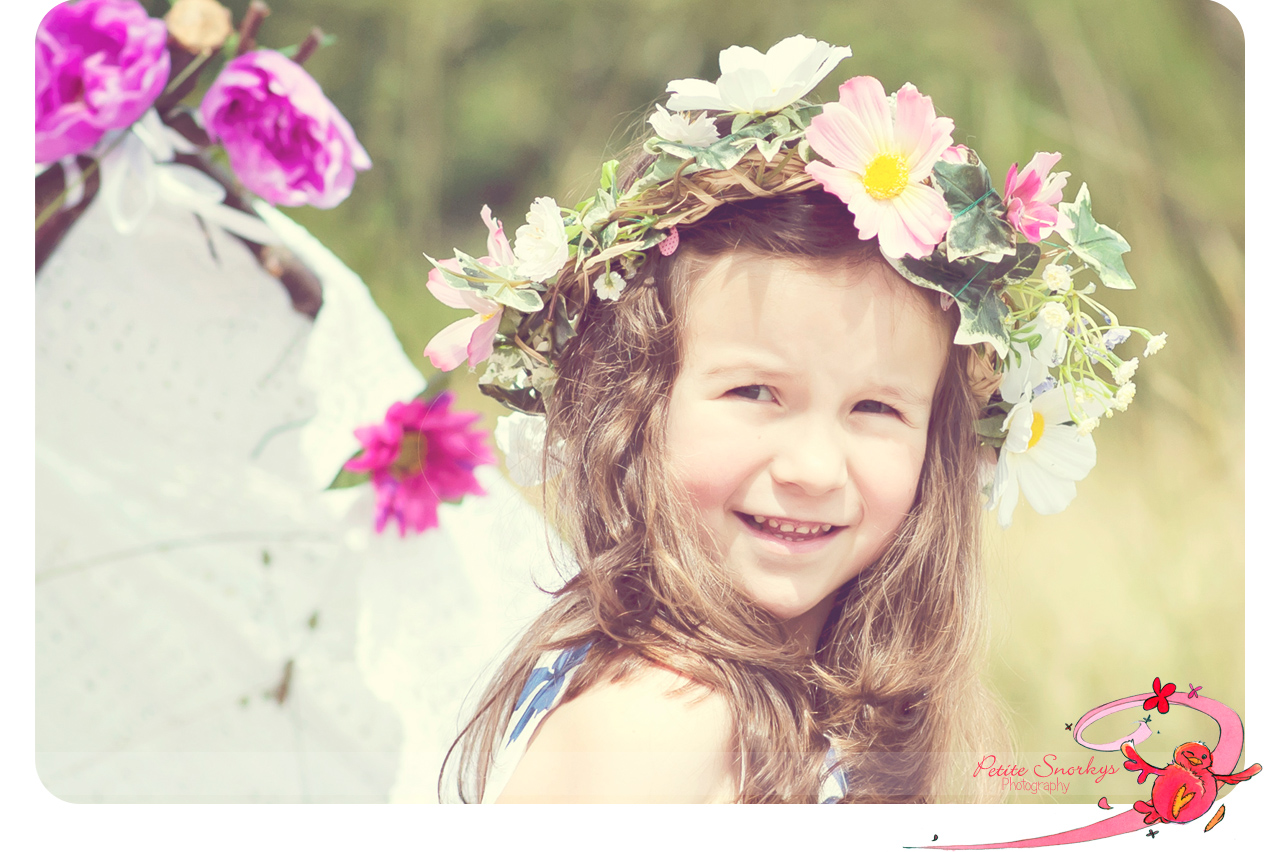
x,y
467,102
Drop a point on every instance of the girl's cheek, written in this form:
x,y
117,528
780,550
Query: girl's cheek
x,y
890,477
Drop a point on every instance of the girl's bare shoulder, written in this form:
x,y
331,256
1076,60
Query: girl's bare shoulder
x,y
654,737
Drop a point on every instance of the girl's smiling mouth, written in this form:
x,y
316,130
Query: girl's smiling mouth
x,y
787,529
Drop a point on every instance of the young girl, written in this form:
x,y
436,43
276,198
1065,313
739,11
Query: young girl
x,y
767,353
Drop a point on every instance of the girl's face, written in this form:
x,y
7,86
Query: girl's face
x,y
799,419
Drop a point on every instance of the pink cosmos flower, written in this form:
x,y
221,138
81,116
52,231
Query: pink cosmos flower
x,y
286,141
100,64
469,339
879,157
421,455
1032,195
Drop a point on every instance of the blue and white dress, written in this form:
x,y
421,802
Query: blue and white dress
x,y
540,696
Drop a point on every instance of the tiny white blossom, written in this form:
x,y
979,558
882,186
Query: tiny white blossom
x,y
1057,277
1154,345
1054,315
610,286
542,247
696,132
1086,426
1125,395
1125,371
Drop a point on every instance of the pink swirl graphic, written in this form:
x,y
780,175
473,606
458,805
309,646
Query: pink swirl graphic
x,y
1226,754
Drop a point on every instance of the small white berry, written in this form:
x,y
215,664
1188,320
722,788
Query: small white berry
x,y
1057,277
1125,395
1055,316
1125,371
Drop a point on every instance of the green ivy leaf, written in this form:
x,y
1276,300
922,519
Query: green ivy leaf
x,y
978,227
975,284
609,235
609,177
1097,245
348,478
565,325
991,427
724,153
509,379
523,299
807,112
1025,261
455,280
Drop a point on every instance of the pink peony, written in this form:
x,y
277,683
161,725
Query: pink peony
x,y
1032,195
421,455
286,141
100,64
878,161
469,339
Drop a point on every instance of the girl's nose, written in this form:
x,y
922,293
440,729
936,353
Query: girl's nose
x,y
811,457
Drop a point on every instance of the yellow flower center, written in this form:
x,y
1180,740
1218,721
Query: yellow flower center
x,y
886,176
1037,429
413,452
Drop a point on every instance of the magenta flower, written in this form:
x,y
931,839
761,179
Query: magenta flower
x,y
1032,195
286,141
879,158
100,64
421,455
469,339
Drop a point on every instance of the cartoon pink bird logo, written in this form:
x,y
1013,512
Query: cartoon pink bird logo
x,y
1186,788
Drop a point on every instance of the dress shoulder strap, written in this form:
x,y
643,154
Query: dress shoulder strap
x,y
541,693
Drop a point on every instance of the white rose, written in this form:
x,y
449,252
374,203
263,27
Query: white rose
x,y
542,247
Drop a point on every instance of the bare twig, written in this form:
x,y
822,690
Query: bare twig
x,y
253,19
309,45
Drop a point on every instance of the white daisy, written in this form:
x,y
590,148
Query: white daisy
x,y
1043,457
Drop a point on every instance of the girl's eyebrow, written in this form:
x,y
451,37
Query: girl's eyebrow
x,y
746,367
902,393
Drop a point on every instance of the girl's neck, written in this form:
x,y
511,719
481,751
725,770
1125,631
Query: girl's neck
x,y
806,629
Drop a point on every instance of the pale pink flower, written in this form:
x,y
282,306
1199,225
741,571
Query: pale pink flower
x,y
469,339
879,158
1031,196
420,455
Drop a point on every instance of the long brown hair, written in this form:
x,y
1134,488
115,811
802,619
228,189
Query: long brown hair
x,y
893,682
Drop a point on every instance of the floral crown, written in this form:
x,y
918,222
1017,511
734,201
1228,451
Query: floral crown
x,y
1023,297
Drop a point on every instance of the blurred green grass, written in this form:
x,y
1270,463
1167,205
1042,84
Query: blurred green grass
x,y
462,103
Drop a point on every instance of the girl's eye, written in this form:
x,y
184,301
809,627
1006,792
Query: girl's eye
x,y
871,406
759,393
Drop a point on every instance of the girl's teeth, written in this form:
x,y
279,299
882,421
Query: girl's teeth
x,y
780,527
